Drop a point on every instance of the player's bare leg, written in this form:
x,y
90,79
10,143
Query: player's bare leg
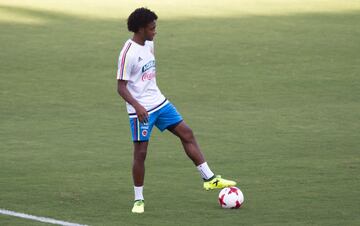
x,y
192,150
189,143
138,171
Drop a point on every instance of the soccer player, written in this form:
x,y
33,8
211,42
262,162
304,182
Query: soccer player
x,y
147,106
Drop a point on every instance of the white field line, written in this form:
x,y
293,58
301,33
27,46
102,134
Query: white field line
x,y
41,219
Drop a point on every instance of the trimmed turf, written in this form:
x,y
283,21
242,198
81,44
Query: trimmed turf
x,y
272,99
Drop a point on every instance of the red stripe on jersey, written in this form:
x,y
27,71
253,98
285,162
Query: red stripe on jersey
x,y
123,60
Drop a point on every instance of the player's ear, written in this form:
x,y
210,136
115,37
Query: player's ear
x,y
141,30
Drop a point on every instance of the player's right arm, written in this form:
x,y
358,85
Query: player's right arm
x,y
141,112
126,63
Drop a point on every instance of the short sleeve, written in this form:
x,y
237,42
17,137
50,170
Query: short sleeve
x,y
124,64
151,46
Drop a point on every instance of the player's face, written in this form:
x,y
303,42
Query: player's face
x,y
150,31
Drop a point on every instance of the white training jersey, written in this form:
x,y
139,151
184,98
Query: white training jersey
x,y
137,66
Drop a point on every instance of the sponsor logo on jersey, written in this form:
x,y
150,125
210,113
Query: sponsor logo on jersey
x,y
147,66
148,76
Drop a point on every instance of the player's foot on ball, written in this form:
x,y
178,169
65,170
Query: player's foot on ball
x,y
218,182
138,206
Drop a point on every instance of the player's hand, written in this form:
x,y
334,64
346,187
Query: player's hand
x,y
142,114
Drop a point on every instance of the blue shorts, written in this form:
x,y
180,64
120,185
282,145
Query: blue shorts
x,y
165,117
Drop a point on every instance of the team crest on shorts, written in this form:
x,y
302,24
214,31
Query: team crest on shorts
x,y
144,133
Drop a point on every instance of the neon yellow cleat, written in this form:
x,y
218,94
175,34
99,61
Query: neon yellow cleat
x,y
218,182
138,206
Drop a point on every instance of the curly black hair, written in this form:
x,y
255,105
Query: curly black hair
x,y
141,17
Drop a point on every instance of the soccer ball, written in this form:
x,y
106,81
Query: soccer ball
x,y
231,198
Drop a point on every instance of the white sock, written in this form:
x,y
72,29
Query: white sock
x,y
205,171
139,193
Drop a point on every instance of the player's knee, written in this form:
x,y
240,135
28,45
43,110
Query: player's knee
x,y
140,155
188,136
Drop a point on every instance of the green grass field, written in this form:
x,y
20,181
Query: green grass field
x,y
271,90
